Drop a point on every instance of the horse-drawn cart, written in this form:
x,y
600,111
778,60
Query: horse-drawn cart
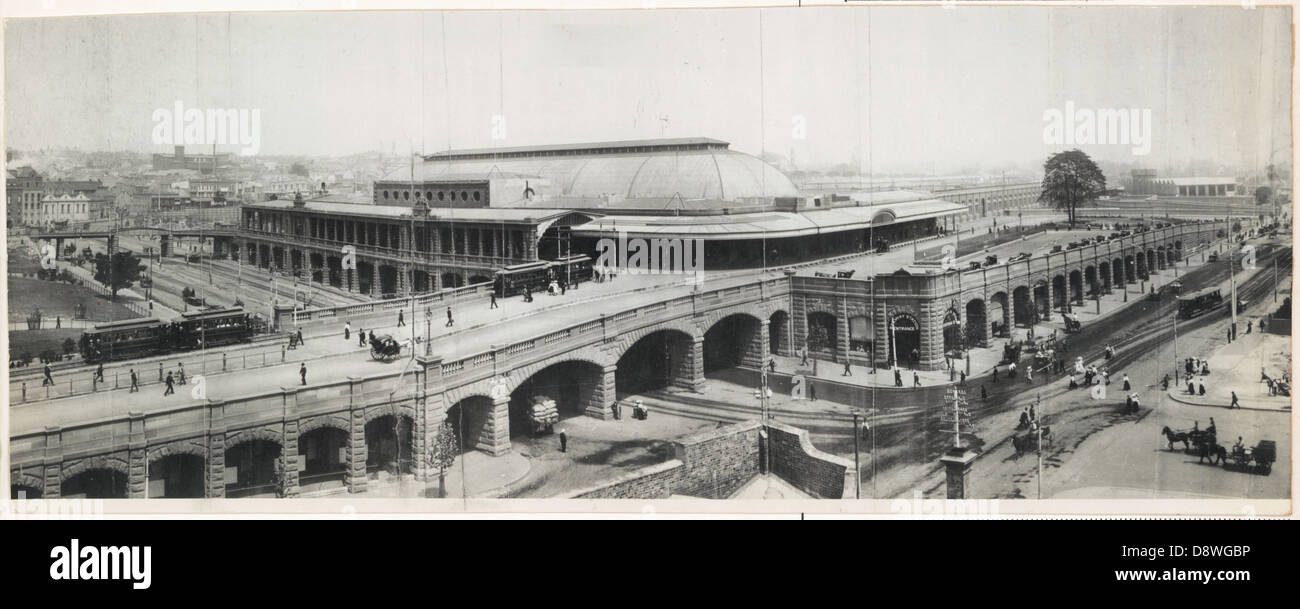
x,y
384,348
1258,459
1028,441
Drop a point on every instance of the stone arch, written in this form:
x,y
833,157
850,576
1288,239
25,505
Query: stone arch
x,y
1104,275
330,421
779,330
733,340
1075,285
376,411
977,324
711,318
627,339
193,446
236,438
26,480
904,331
116,462
518,375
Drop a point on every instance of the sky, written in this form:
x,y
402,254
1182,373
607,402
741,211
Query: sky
x,y
885,89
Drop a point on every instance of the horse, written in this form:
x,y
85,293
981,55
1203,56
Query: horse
x,y
1173,436
1215,452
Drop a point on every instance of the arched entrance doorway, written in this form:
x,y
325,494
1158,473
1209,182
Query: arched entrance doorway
x,y
322,458
468,419
388,446
573,385
732,342
823,333
250,469
654,362
905,340
176,476
977,322
778,333
952,340
102,483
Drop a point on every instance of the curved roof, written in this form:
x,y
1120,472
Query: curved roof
x,y
703,174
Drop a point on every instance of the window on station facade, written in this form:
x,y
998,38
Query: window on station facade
x,y
442,196
464,196
407,195
385,195
860,334
478,195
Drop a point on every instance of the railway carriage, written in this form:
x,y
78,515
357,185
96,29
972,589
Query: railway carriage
x,y
210,328
126,339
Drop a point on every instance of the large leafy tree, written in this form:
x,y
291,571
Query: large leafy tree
x,y
119,272
1070,180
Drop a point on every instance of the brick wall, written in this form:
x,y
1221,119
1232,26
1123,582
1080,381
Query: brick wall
x,y
810,470
711,464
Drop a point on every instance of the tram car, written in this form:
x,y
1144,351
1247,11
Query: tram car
x,y
126,339
1199,303
576,268
210,328
512,280
134,338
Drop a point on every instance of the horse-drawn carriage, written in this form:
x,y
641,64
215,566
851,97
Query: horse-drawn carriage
x,y
1258,459
384,348
1028,441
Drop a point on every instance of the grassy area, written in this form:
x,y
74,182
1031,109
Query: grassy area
x,y
36,341
60,299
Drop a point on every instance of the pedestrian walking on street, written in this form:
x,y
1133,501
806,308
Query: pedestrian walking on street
x,y
1127,386
984,393
812,392
1248,326
303,373
771,364
170,388
401,320
299,336
847,369
450,321
898,377
180,367
995,374
1191,386
99,372
1234,403
916,379
963,377
347,331
49,380
803,353
1029,375
135,383
1201,385
494,301
564,442
361,337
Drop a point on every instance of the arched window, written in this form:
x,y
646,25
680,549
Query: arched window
x,y
477,195
385,195
442,195
407,195
464,196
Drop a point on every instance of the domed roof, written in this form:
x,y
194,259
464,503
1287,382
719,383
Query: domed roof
x,y
622,172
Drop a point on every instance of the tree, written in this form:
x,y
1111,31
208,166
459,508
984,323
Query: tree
x,y
1263,194
119,273
443,454
298,169
1070,180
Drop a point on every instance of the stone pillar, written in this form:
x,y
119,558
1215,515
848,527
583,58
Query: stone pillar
x,y
957,463
403,279
354,474
289,450
52,474
215,463
137,471
374,280
600,401
350,278
756,352
530,247
495,438
688,373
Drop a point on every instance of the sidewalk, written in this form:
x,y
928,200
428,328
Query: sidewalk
x,y
1235,367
